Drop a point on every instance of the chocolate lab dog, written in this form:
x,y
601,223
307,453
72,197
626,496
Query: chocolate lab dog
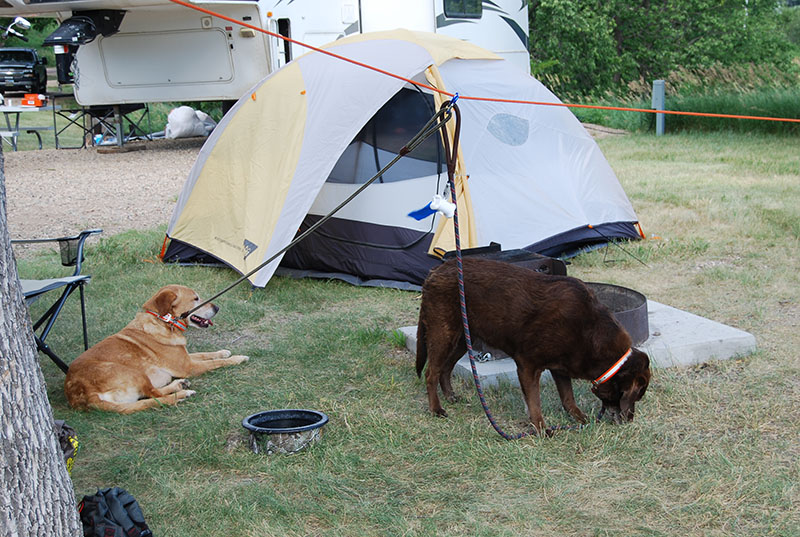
x,y
134,369
542,322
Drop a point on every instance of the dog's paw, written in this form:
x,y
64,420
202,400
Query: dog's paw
x,y
238,359
440,413
224,353
579,416
180,395
183,383
540,428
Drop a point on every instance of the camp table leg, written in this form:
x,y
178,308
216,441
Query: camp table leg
x,y
13,129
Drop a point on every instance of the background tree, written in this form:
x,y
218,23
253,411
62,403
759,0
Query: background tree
x,y
572,46
36,496
592,47
790,23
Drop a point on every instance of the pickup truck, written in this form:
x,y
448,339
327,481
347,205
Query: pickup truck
x,y
22,70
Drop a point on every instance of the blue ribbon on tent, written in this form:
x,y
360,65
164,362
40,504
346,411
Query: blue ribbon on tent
x,y
437,204
421,214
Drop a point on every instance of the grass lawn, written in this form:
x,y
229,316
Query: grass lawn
x,y
714,449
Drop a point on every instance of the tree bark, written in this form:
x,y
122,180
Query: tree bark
x,y
36,495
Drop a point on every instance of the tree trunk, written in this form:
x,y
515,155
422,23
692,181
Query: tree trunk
x,y
36,496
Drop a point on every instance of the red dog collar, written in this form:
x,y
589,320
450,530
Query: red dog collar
x,y
613,369
169,319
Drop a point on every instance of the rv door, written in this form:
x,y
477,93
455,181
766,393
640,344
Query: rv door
x,y
280,49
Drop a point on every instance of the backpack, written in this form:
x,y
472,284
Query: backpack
x,y
68,441
112,512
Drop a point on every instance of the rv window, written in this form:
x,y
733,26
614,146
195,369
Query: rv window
x,y
468,9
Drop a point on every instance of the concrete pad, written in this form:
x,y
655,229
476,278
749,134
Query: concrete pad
x,y
677,338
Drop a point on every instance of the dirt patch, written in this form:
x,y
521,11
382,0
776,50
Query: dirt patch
x,y
57,192
599,131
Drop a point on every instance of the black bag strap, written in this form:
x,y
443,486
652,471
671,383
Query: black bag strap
x,y
95,518
116,508
125,510
112,512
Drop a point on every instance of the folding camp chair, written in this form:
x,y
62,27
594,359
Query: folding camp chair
x,y
110,122
71,249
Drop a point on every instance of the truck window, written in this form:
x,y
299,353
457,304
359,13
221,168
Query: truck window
x,y
17,56
469,9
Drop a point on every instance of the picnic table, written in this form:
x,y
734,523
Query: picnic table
x,y
12,129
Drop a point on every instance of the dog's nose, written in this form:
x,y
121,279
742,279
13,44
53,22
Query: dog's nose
x,y
214,308
611,413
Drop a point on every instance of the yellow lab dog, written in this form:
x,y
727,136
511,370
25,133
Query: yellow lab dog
x,y
134,369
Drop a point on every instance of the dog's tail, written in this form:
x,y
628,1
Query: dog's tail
x,y
422,349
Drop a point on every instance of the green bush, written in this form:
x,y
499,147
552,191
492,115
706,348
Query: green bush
x,y
777,103
767,103
790,22
745,89
588,49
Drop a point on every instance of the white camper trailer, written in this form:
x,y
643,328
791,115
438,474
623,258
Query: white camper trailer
x,y
133,51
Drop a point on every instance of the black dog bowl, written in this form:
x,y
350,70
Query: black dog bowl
x,y
628,306
284,431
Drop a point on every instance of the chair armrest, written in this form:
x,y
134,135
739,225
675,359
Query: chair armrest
x,y
71,247
82,234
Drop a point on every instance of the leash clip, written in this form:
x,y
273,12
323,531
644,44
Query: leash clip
x,y
169,319
484,357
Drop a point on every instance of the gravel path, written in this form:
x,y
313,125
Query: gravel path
x,y
52,193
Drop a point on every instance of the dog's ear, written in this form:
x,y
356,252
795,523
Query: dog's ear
x,y
162,302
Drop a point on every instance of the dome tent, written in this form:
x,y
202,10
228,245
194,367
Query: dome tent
x,y
308,135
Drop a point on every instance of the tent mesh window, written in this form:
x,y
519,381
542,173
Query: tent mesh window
x,y
380,140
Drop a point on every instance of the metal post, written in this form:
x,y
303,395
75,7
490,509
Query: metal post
x,y
658,104
118,120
